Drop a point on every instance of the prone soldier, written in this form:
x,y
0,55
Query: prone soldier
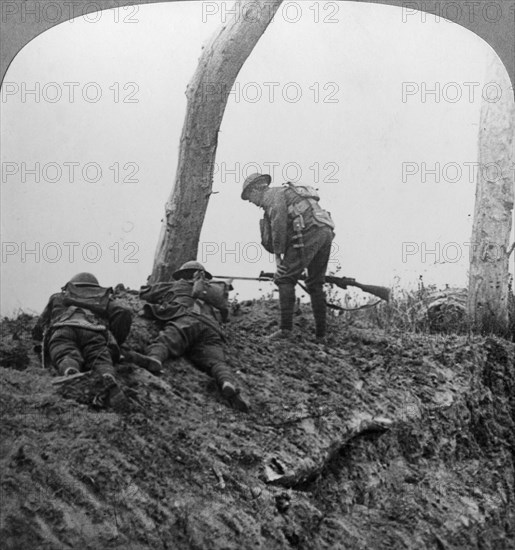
x,y
192,308
82,328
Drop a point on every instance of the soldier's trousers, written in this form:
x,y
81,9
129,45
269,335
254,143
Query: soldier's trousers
x,y
196,340
314,256
81,349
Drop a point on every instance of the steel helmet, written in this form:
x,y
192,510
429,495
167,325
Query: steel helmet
x,y
84,279
252,180
188,268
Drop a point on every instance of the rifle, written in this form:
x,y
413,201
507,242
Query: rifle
x,y
342,282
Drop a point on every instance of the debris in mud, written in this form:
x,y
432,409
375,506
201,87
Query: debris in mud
x,y
282,503
447,310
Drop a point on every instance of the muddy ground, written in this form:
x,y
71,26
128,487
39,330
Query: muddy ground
x,y
379,439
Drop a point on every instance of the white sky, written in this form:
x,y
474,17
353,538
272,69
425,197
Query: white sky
x,y
360,142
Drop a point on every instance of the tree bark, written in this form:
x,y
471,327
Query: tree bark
x,y
489,273
207,94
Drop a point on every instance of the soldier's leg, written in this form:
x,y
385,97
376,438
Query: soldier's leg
x,y
208,355
287,305
293,265
173,341
98,358
120,320
96,352
64,351
320,242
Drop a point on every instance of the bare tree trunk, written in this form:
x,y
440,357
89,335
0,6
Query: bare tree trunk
x,y
489,273
207,93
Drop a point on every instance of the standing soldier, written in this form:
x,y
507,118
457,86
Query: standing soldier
x,y
299,232
82,328
192,308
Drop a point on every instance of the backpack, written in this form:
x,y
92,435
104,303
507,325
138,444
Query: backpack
x,y
306,199
93,298
303,191
158,293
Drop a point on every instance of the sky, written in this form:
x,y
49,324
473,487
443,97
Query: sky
x,y
377,108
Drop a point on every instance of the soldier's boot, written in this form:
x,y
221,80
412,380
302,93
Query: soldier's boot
x,y
68,367
319,307
106,371
225,381
112,394
287,305
147,362
157,354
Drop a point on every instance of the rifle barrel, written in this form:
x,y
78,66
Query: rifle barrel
x,y
379,291
242,278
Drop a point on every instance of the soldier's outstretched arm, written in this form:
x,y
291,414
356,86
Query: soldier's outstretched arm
x,y
277,211
120,321
43,321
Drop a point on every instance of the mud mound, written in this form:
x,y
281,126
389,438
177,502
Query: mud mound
x,y
380,439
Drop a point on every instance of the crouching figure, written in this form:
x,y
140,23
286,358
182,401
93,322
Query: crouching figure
x,y
192,308
82,328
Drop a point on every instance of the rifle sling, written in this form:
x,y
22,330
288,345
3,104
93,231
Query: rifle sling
x,y
340,308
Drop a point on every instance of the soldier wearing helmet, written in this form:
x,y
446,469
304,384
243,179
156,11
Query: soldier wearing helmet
x,y
84,279
83,326
191,309
299,233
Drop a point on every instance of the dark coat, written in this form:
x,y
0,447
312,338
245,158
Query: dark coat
x,y
59,313
170,301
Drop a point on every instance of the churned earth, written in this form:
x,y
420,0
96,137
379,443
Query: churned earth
x,y
379,439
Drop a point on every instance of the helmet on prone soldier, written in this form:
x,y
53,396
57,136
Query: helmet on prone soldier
x,y
187,270
84,279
